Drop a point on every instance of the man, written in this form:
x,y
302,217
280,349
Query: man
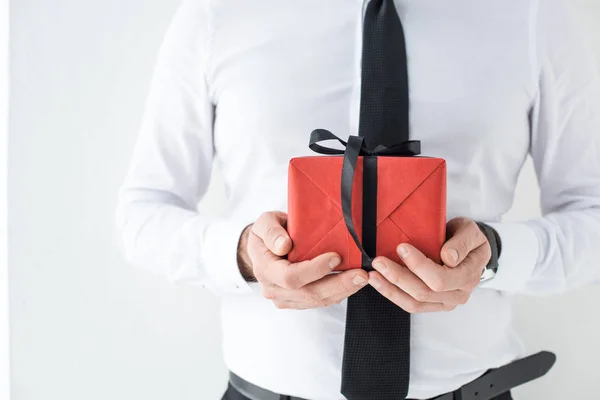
x,y
241,84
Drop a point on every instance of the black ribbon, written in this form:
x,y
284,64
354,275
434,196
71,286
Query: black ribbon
x,y
354,148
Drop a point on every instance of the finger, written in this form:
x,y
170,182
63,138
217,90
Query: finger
x,y
408,282
473,265
270,228
465,236
437,277
333,288
291,305
262,258
271,269
328,291
403,299
294,276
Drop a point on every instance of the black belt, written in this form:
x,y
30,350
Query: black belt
x,y
492,384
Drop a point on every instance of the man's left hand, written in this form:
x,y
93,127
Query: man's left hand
x,y
425,286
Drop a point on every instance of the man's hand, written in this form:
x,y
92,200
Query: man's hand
x,y
308,284
425,286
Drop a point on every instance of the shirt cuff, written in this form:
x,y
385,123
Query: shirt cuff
x,y
219,257
520,248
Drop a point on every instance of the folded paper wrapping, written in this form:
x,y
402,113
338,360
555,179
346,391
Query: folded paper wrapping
x,y
411,207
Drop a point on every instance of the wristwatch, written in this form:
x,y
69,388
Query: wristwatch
x,y
494,239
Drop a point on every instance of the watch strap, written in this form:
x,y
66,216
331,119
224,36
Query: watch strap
x,y
496,246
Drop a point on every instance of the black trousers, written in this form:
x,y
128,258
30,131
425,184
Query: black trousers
x,y
233,394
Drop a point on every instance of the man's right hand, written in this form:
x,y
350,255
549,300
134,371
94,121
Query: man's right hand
x,y
300,286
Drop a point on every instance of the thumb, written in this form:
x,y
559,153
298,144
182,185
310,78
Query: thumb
x,y
270,228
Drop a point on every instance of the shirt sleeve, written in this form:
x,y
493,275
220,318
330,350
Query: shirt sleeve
x,y
559,251
157,217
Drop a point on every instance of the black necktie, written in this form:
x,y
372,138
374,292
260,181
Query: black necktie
x,y
377,341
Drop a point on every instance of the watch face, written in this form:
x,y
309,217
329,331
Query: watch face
x,y
487,274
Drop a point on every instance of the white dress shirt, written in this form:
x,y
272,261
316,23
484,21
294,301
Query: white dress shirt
x,y
241,84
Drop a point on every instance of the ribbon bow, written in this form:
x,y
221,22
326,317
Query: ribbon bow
x,y
355,147
357,144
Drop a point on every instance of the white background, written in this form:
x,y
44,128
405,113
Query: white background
x,y
84,324
4,343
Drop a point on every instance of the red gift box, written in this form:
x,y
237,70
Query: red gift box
x,y
410,207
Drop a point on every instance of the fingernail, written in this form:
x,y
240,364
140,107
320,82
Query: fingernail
x,y
376,283
359,281
453,255
381,267
334,262
403,251
280,242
